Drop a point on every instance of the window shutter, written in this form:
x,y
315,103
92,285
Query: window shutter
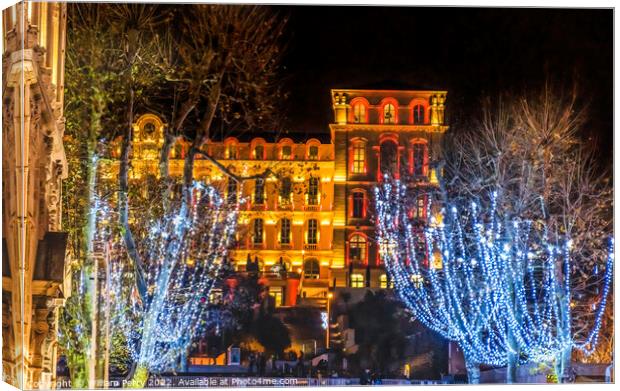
x,y
365,206
351,205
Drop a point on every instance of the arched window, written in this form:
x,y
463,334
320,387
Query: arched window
x,y
259,191
285,231
389,114
231,148
389,111
357,280
312,149
418,114
311,269
389,158
259,152
257,149
358,204
257,231
419,158
359,111
358,157
286,149
313,232
313,191
357,248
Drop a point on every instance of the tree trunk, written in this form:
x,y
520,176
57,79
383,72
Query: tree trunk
x,y
511,368
473,372
561,365
123,202
137,377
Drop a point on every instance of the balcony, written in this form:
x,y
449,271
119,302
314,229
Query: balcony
x,y
311,247
286,246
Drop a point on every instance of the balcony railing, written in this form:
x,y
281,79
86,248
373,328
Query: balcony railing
x,y
311,247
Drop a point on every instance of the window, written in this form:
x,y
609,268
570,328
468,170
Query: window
x,y
285,189
421,207
383,281
418,114
420,158
313,230
285,231
311,269
313,152
357,280
231,151
259,192
389,114
359,157
257,231
357,248
313,191
276,293
259,152
389,158
286,152
359,113
358,205
231,191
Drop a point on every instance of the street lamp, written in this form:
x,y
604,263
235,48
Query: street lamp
x,y
329,297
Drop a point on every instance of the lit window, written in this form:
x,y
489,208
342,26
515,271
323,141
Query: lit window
x,y
359,157
232,191
276,293
313,229
357,248
420,158
257,232
285,231
259,191
418,114
313,152
311,269
421,207
259,152
357,280
286,152
359,113
383,281
358,204
389,114
285,189
313,191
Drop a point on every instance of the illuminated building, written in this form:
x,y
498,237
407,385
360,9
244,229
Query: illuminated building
x,y
33,163
309,226
378,132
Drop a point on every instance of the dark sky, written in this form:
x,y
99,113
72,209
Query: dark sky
x,y
471,52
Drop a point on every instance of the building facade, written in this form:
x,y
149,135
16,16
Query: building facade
x,y
33,165
309,227
379,133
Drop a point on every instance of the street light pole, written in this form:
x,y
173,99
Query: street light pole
x,y
329,297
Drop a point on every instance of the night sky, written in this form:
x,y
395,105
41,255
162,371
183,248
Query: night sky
x,y
471,52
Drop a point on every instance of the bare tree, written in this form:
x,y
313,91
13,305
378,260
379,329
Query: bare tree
x,y
528,148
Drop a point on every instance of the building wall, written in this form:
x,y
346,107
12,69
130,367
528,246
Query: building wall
x,y
361,122
341,222
33,163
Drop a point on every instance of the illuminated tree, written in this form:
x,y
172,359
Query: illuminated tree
x,y
504,291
